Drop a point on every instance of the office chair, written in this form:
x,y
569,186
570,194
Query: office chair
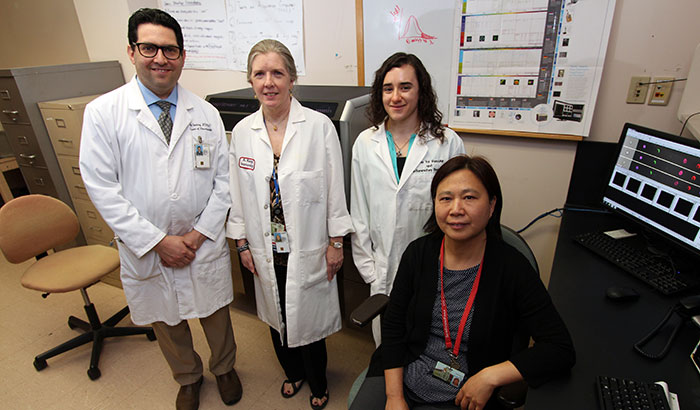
x,y
34,224
512,395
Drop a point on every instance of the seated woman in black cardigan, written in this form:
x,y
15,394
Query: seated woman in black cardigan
x,y
460,298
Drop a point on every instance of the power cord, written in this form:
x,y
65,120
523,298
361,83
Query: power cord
x,y
557,213
686,121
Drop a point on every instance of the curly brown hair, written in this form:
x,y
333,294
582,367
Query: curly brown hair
x,y
429,115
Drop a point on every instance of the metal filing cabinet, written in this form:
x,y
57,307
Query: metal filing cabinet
x,y
64,122
20,91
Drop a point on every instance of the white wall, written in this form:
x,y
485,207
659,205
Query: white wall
x,y
648,37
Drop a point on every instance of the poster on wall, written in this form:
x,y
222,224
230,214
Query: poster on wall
x,y
219,33
529,65
418,27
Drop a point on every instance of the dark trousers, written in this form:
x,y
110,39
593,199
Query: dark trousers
x,y
304,362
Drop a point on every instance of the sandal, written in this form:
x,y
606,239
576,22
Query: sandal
x,y
322,405
295,388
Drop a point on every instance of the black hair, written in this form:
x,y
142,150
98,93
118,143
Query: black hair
x,y
429,115
153,16
483,170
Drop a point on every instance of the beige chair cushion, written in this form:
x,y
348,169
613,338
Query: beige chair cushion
x,y
71,269
32,224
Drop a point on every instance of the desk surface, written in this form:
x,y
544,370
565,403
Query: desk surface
x,y
603,331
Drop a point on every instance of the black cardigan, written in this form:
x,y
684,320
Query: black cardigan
x,y
511,296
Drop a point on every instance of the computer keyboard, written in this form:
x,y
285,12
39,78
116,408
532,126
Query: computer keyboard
x,y
655,271
625,394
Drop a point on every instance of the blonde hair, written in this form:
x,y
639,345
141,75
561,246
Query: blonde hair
x,y
272,46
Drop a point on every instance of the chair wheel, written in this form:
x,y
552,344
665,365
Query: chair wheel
x,y
40,364
151,335
94,373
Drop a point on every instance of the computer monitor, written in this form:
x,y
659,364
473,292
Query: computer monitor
x,y
655,181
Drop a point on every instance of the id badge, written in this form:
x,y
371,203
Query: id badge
x,y
201,156
281,242
280,239
448,374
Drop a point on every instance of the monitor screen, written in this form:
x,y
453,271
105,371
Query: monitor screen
x,y
656,182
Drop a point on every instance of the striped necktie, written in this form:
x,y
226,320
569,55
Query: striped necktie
x,y
165,122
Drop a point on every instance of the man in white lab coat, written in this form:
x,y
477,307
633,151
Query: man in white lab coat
x,y
154,160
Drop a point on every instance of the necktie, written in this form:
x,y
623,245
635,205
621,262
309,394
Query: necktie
x,y
165,122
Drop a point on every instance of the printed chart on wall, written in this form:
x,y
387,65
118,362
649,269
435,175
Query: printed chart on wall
x,y
219,33
528,65
420,27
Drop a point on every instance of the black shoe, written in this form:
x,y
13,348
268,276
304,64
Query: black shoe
x,y
319,406
230,387
295,388
188,396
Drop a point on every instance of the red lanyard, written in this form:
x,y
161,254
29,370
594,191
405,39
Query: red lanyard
x,y
467,308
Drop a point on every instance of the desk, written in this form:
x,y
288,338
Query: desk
x,y
603,331
6,164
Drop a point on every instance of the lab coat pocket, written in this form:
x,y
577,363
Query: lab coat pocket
x,y
420,194
312,265
137,269
209,273
309,187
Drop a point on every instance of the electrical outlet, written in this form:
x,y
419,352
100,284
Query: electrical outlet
x,y
637,93
660,92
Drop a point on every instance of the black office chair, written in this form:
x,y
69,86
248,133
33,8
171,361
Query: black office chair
x,y
510,396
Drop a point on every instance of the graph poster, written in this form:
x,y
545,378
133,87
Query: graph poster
x,y
528,65
423,28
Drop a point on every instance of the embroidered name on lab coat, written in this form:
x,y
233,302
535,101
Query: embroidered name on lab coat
x,y
429,165
203,126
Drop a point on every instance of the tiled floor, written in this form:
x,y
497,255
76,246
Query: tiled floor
x,y
134,373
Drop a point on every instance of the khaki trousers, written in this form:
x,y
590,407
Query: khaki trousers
x,y
176,344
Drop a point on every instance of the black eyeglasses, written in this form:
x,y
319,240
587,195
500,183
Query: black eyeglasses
x,y
149,50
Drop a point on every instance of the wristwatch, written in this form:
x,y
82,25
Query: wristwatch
x,y
337,245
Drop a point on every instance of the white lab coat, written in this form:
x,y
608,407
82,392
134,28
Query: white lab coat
x,y
313,199
388,215
145,189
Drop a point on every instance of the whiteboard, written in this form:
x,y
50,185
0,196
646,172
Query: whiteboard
x,y
424,28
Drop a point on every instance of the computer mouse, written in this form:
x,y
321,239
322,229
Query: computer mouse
x,y
621,294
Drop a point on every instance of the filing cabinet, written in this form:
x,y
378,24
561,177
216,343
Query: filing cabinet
x,y
64,121
20,91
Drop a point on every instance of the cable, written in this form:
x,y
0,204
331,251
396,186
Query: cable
x,y
686,122
664,81
558,212
552,212
638,347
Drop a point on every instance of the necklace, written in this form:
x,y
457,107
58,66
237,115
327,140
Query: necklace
x,y
399,149
274,126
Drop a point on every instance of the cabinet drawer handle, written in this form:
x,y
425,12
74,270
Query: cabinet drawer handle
x,y
13,114
96,228
32,156
65,141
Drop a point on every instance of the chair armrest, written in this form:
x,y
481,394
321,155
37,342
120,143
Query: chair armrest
x,y
372,307
512,395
